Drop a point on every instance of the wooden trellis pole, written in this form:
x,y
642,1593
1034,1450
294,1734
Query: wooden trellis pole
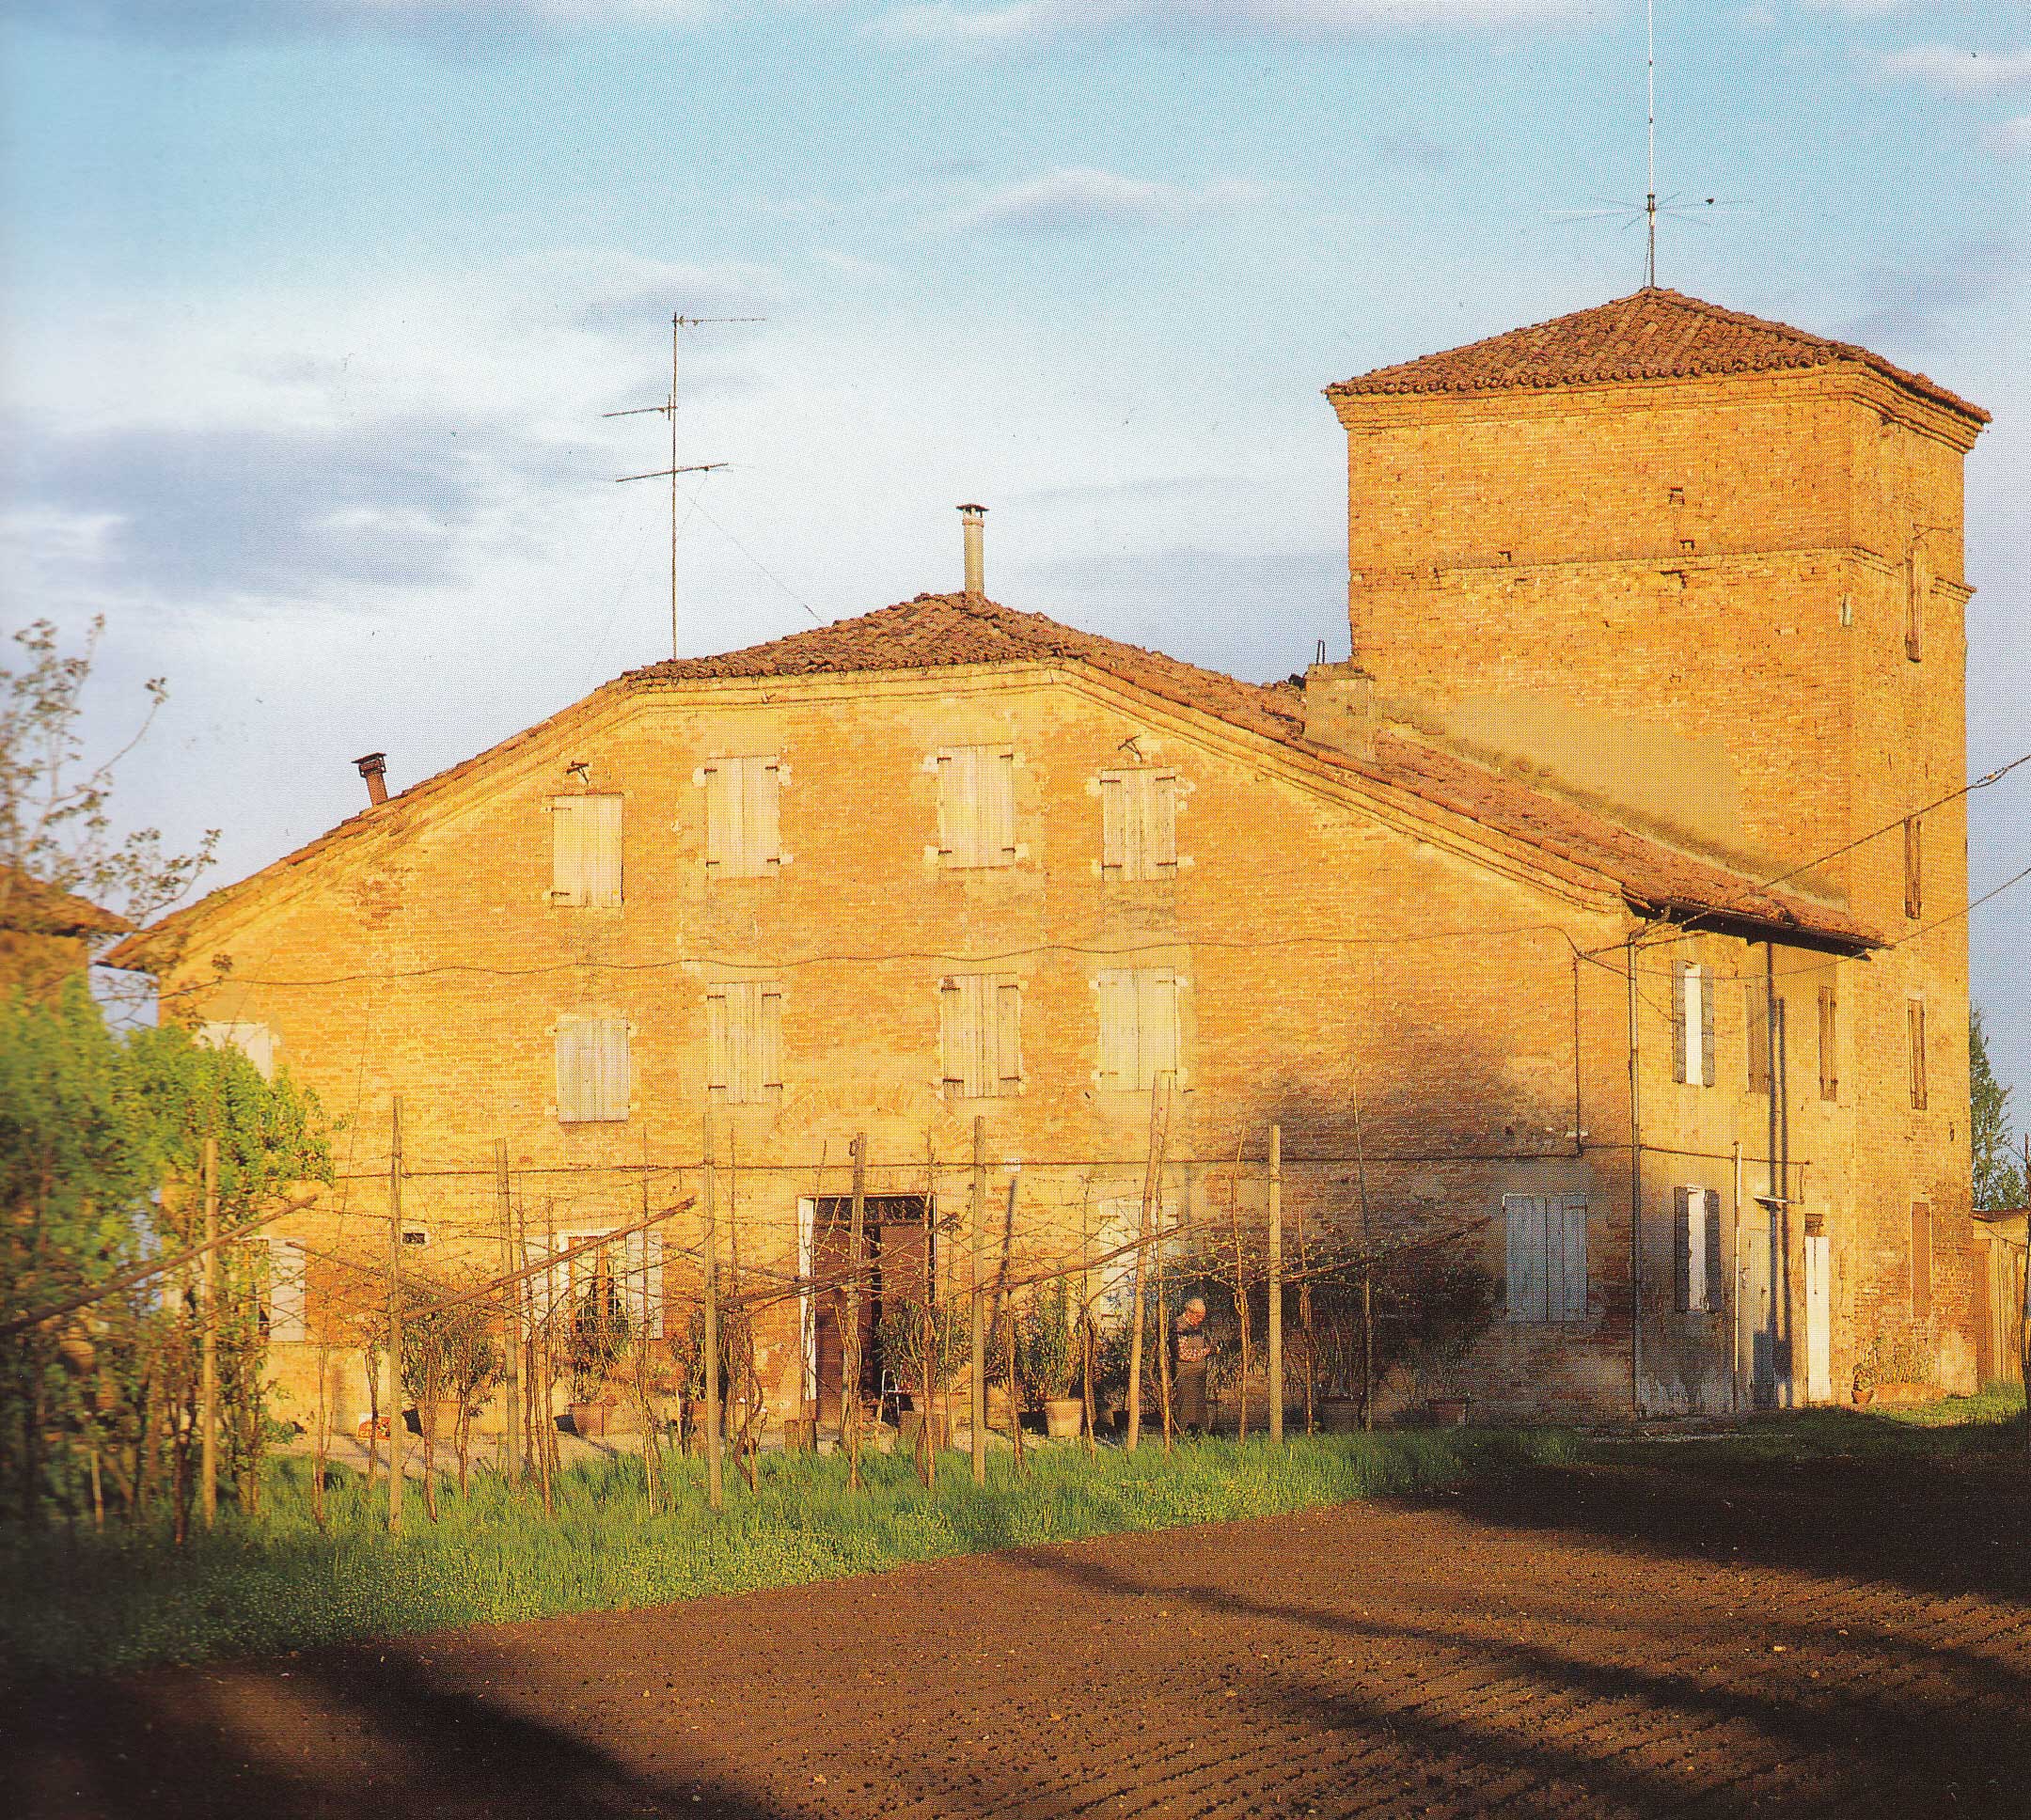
x,y
397,1427
1276,1285
514,1336
208,1344
714,1489
978,1375
850,1330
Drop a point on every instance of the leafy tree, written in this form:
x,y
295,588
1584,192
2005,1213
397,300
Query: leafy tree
x,y
1998,1181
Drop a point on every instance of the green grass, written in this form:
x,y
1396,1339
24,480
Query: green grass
x,y
81,1602
1989,1424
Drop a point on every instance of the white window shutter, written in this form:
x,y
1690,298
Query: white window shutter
x,y
614,1073
722,805
1572,1220
1135,828
764,814
1162,838
1156,1024
999,844
567,850
570,1071
601,873
286,1296
768,1035
1008,1035
1113,823
1115,991
953,1043
719,1040
1525,1214
951,772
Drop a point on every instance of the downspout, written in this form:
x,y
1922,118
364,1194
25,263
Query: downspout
x,y
1635,1211
1734,1300
1772,1226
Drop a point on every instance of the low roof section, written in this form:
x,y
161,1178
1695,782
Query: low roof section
x,y
955,631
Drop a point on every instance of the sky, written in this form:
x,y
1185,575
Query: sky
x,y
313,309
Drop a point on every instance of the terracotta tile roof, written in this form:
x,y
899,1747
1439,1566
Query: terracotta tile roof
x,y
1647,335
31,906
949,631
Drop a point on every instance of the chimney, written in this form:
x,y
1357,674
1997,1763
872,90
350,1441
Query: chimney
x,y
1340,708
974,518
374,767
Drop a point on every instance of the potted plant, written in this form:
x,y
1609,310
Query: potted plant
x,y
925,1347
596,1340
1047,1354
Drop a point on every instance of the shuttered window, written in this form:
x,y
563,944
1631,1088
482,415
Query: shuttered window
x,y
1915,1036
1139,1026
585,851
1699,1286
1138,825
283,1298
1921,1262
979,1035
977,806
1829,1045
743,1019
1547,1259
1693,1023
594,1077
1755,1023
256,1042
743,817
628,1269
1914,867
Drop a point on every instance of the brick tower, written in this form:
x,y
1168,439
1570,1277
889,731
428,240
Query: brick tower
x,y
1708,567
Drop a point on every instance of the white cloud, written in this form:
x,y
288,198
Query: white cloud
x,y
213,22
1076,198
1959,71
2012,138
1031,20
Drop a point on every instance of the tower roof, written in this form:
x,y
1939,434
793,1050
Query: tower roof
x,y
1650,335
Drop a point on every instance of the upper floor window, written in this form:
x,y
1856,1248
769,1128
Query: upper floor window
x,y
977,806
1138,824
1914,1031
282,1297
743,817
585,850
1914,866
744,1039
1547,1257
595,1075
1829,1045
980,1034
1698,1285
1139,1026
256,1042
1693,1023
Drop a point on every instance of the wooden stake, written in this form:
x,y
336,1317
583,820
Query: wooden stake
x,y
1007,1303
1135,1306
1276,1285
509,1266
2026,1337
715,1490
207,1360
1367,1277
850,1333
397,1427
978,1378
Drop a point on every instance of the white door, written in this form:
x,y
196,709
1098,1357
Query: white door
x,y
1818,1319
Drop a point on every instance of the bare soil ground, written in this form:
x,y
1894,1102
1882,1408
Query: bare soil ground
x,y
1688,1634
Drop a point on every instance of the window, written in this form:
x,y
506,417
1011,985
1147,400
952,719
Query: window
x,y
282,1303
1698,1284
977,806
1114,1254
980,1031
619,1282
593,1075
1829,1045
585,850
1692,1024
1921,1262
743,817
745,1033
1917,584
1138,824
1139,1026
1915,1034
1914,867
1547,1257
1756,1024
415,1238
256,1042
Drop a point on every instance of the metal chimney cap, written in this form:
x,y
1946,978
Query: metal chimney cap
x,y
372,762
974,512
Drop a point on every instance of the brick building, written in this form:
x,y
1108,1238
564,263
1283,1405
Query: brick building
x,y
1656,616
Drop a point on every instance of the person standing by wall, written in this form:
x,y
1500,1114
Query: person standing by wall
x,y
1194,1352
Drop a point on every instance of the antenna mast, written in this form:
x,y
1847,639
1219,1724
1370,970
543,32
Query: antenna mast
x,y
1651,156
679,322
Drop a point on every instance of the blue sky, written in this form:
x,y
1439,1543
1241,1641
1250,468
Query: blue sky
x,y
313,307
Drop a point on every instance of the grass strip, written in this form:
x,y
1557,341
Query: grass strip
x,y
80,1602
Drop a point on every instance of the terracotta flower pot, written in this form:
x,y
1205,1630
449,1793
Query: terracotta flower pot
x,y
910,1420
1449,1412
588,1419
1339,1415
1064,1417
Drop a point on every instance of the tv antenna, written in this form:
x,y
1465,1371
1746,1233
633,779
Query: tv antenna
x,y
1676,207
677,323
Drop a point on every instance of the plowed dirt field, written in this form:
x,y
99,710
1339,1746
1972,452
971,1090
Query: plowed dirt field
x,y
1674,1636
